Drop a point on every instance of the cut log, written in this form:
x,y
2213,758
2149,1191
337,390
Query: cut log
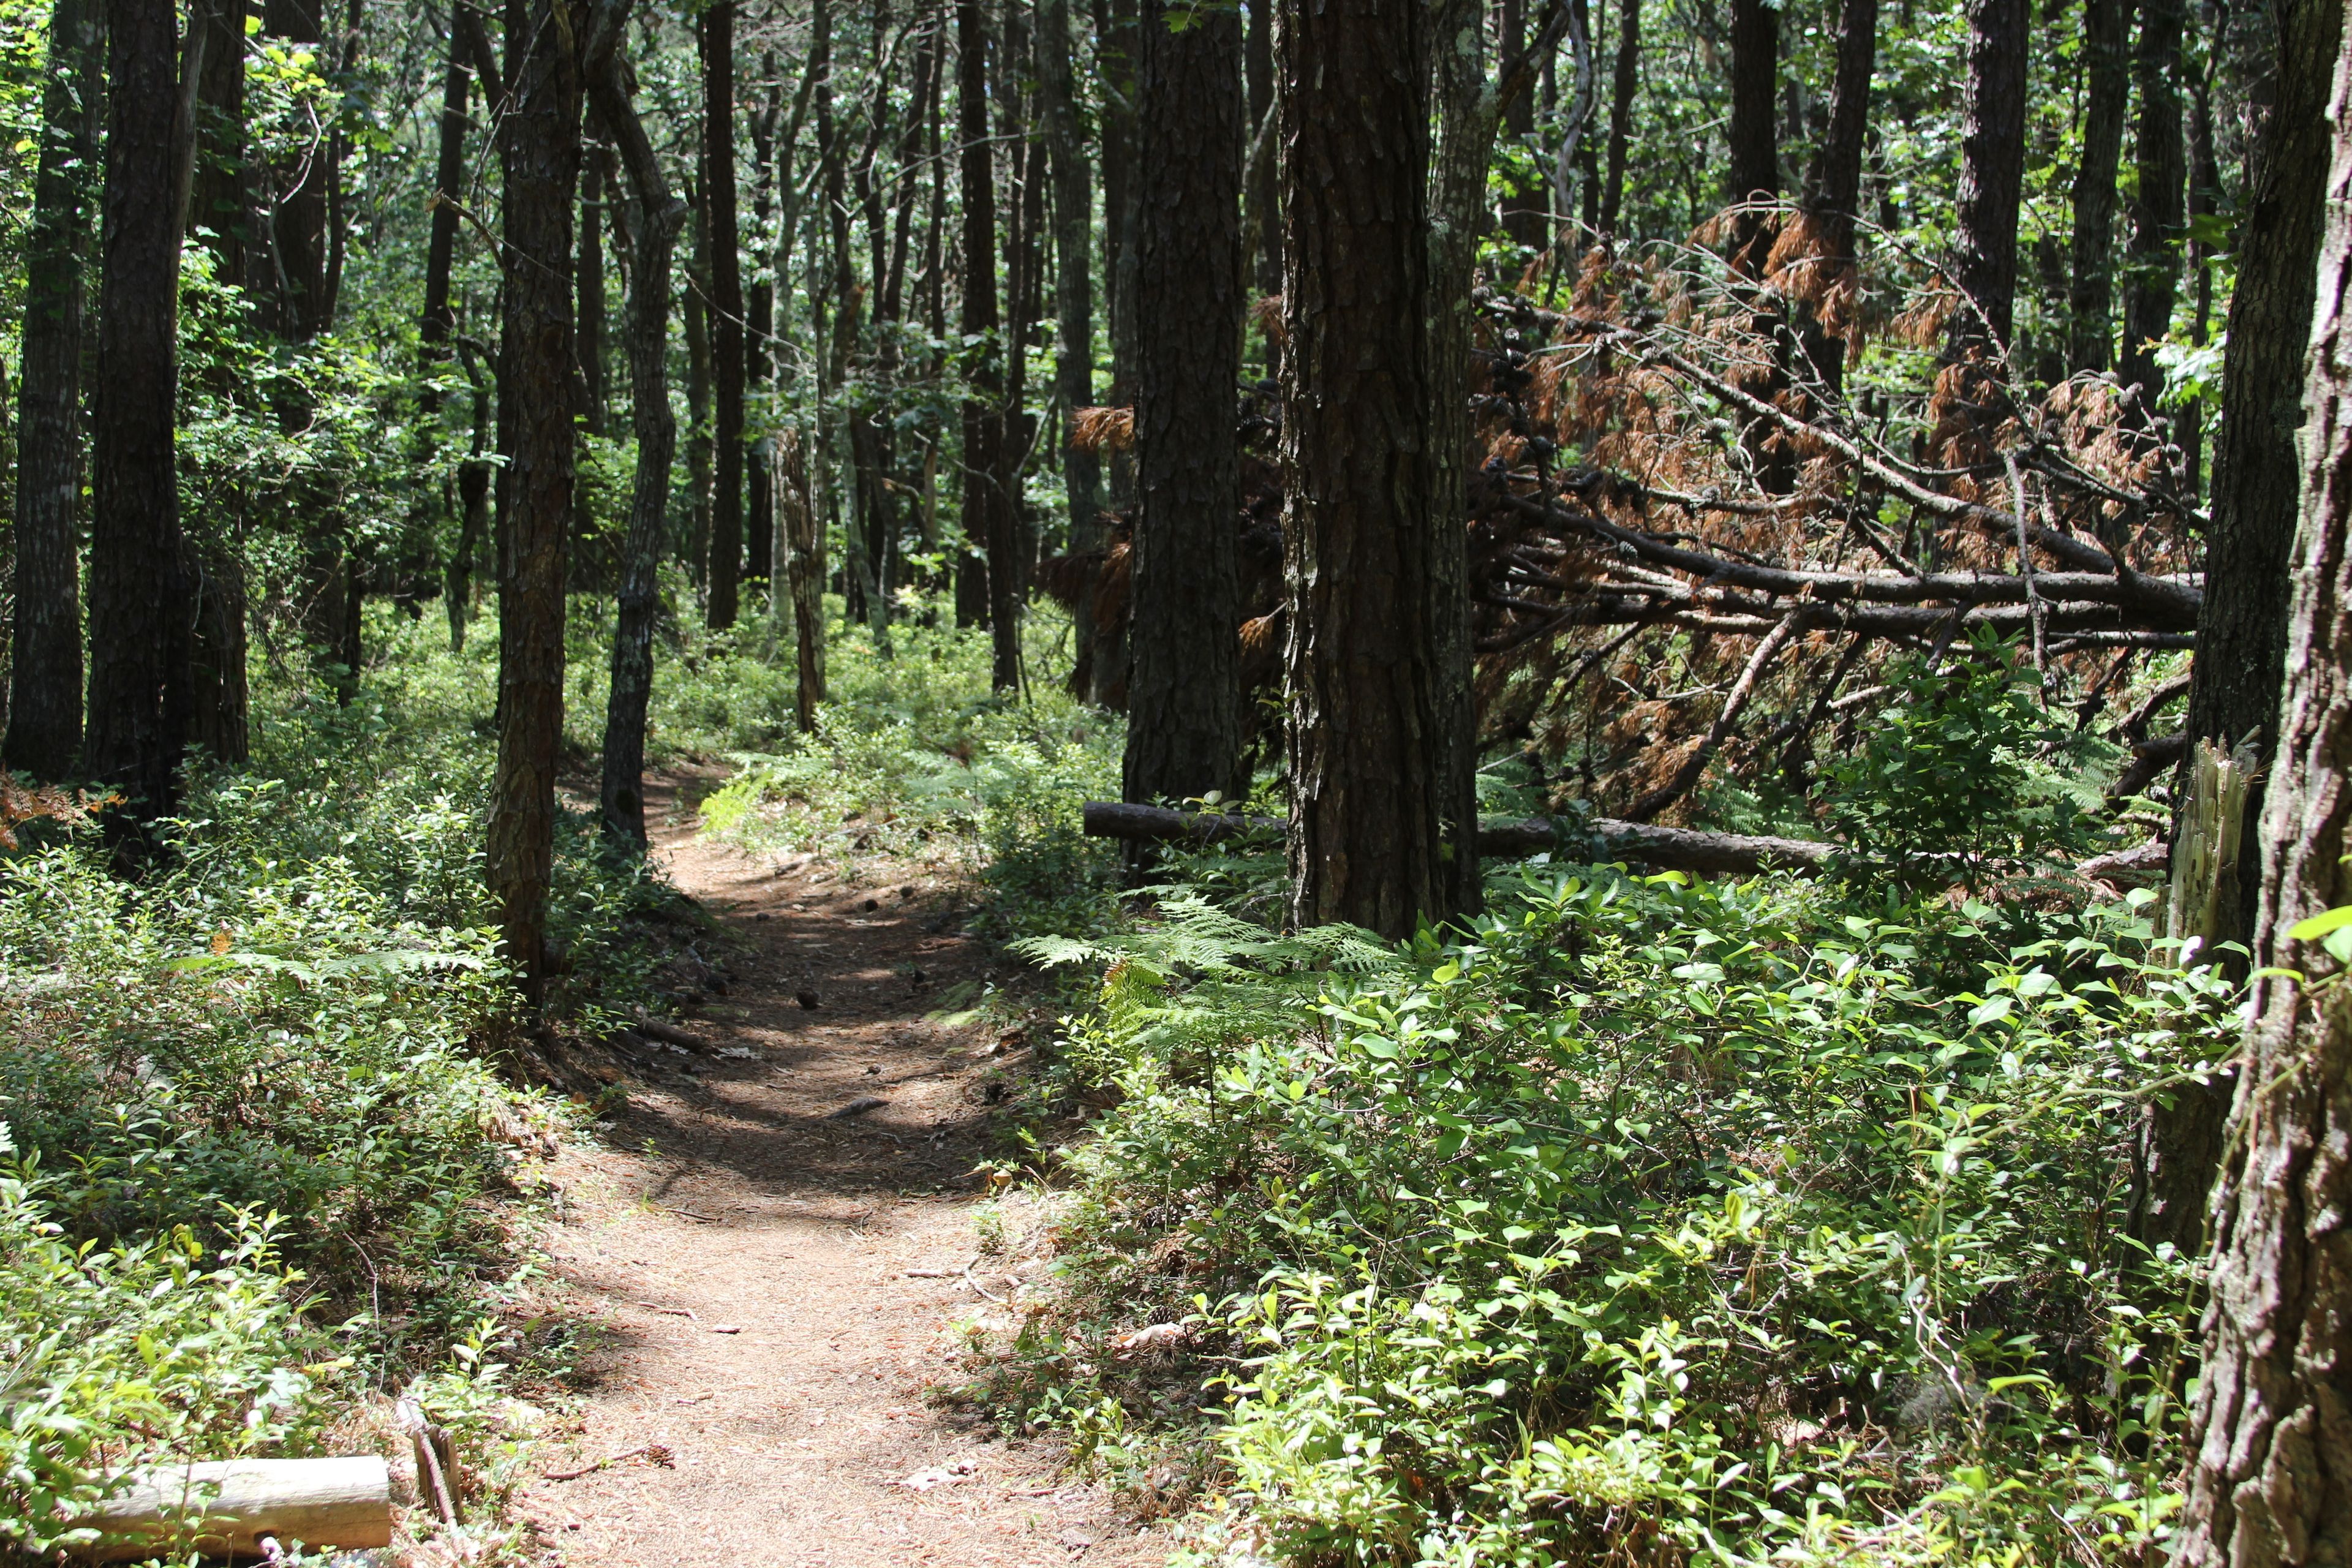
x,y
226,1508
1603,839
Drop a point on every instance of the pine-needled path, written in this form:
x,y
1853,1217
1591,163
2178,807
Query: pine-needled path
x,y
773,1278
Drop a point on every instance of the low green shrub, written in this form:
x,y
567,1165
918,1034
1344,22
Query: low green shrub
x,y
1646,1221
915,758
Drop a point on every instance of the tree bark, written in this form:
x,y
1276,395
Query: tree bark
x,y
298,231
1185,702
987,511
1834,192
804,539
140,621
655,216
539,149
46,680
696,311
2242,626
2273,1420
2159,211
1074,290
1117,54
589,337
1993,175
2106,52
437,321
1374,833
222,195
1754,174
726,282
1625,82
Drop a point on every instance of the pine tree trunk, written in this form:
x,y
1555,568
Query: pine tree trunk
x,y
655,219
1371,827
2107,51
726,280
987,512
1993,175
1183,727
2272,1482
803,537
1625,81
139,604
298,234
1074,290
696,309
46,694
2242,629
2159,210
589,337
540,147
1755,169
222,195
436,323
1834,195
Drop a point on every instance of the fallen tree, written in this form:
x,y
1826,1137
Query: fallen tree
x,y
225,1508
1602,839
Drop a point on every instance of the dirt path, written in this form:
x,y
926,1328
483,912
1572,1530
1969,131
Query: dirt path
x,y
774,1287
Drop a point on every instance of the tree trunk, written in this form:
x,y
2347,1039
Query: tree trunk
x,y
2242,628
726,281
540,147
2272,1482
1625,81
1074,290
45,702
2106,53
1834,194
1374,833
140,621
1992,177
589,339
1263,197
1118,53
987,512
222,195
1184,711
438,321
655,218
2152,277
804,535
1755,169
696,311
298,232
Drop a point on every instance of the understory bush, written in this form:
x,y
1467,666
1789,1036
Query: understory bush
x,y
1644,1221
915,758
260,1163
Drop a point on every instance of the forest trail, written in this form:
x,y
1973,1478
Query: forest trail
x,y
774,1286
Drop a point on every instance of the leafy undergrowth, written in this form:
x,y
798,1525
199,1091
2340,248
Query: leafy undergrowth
x,y
916,759
261,1171
1647,1221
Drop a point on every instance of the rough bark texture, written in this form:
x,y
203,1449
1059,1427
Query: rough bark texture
x,y
139,600
1184,704
2241,628
803,537
1625,82
1754,174
1992,172
222,193
2272,1423
726,281
437,321
1074,286
654,218
588,340
2160,205
1369,837
988,520
45,704
1833,193
2106,96
539,149
299,229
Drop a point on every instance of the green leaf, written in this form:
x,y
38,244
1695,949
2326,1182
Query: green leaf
x,y
2319,925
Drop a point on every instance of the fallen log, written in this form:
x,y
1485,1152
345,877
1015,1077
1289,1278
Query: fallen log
x,y
225,1508
1603,839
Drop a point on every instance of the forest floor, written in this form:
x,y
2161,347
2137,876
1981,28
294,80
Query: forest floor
x,y
773,1287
